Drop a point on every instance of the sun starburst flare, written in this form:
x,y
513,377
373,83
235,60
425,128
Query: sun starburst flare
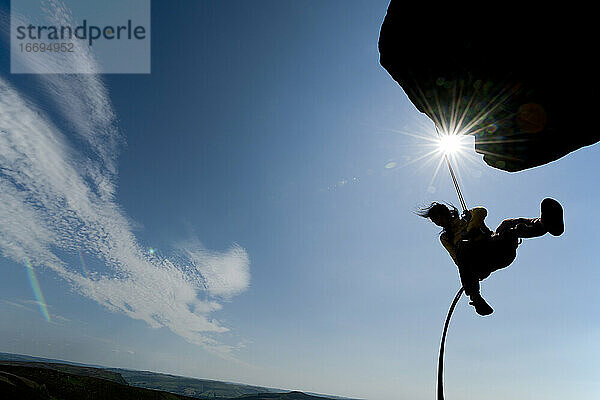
x,y
430,149
451,145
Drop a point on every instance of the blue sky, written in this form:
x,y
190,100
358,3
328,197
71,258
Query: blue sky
x,y
266,161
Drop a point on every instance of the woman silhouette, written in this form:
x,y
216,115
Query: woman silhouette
x,y
477,251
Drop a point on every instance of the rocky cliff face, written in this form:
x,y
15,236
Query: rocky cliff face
x,y
515,77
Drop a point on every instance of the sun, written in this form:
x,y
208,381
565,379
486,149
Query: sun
x,y
450,144
434,148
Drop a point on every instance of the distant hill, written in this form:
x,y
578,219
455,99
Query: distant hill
x,y
39,383
68,373
23,357
281,396
92,372
199,388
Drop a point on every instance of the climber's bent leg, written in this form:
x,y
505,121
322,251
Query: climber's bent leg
x,y
551,221
522,227
470,269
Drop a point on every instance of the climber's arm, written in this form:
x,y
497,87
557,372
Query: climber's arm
x,y
448,245
478,215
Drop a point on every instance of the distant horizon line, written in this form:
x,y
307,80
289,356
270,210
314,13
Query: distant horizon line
x,y
75,363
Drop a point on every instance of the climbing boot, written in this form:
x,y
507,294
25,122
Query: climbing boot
x,y
552,217
480,305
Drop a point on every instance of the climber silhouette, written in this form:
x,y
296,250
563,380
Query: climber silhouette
x,y
477,251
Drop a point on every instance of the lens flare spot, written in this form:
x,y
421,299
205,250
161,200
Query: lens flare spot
x,y
37,291
491,128
531,118
390,165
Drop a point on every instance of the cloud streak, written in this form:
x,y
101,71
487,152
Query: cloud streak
x,y
57,195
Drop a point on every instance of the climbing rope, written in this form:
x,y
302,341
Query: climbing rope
x,y
440,377
440,381
454,180
458,192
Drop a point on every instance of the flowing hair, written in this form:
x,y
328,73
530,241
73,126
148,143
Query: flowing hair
x,y
434,208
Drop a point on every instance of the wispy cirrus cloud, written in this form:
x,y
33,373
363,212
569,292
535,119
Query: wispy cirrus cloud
x,y
57,195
